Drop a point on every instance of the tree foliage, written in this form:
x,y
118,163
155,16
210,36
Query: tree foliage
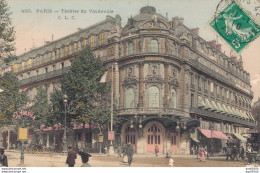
x,y
11,99
6,31
41,108
88,99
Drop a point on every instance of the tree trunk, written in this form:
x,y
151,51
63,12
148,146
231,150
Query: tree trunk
x,y
83,137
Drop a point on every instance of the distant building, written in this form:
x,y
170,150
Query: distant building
x,y
173,88
255,132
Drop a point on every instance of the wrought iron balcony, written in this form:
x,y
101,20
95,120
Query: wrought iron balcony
x,y
151,111
222,117
44,76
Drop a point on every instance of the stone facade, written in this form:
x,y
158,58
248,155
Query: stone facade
x,y
167,80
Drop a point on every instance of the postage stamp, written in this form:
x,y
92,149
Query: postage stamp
x,y
235,26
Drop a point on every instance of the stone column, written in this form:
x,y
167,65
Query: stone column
x,y
166,86
185,89
121,80
141,84
48,140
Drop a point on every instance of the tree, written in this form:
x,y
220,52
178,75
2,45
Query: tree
x,y
6,32
87,97
41,108
11,99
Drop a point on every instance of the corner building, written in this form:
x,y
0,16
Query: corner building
x,y
172,88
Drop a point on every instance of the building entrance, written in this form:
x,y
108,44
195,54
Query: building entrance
x,y
154,138
130,136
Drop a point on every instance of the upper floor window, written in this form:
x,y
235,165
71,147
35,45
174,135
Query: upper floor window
x,y
153,97
130,48
130,98
154,46
101,38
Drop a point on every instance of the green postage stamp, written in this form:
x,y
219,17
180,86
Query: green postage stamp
x,y
235,26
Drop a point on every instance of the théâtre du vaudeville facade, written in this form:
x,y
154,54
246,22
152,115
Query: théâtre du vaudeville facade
x,y
172,88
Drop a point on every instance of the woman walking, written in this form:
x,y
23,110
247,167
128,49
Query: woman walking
x,y
202,154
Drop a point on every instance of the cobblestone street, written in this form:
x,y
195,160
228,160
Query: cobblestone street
x,y
58,160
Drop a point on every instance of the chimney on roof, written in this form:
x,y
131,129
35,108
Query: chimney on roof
x,y
218,46
240,61
177,21
213,43
234,59
195,30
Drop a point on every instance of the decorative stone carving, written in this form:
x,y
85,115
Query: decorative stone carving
x,y
174,83
154,79
130,80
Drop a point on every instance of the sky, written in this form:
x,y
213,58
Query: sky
x,y
38,21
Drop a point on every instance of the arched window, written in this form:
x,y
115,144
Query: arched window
x,y
130,98
154,97
173,49
173,98
154,46
130,48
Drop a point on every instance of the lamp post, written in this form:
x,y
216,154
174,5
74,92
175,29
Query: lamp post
x,y
111,148
65,101
211,139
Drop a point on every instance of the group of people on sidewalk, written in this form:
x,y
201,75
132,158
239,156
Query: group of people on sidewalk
x,y
72,156
126,151
234,152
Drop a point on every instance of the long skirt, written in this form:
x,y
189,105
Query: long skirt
x,y
125,159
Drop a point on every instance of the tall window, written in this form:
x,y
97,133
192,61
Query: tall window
x,y
101,38
130,48
92,41
154,97
154,46
130,98
173,98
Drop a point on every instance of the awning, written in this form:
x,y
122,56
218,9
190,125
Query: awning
x,y
215,106
193,137
220,107
220,135
208,105
213,134
225,109
240,137
201,102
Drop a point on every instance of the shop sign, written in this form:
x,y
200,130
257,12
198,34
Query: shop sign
x,y
111,135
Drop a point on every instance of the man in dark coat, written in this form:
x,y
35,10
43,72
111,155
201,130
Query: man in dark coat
x,y
72,156
129,153
228,153
242,152
156,150
3,158
85,158
235,152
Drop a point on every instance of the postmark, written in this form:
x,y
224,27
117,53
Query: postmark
x,y
234,25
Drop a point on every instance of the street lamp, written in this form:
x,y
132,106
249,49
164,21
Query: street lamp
x,y
65,101
211,139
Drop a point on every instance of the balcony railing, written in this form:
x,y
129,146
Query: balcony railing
x,y
161,51
44,76
145,110
222,117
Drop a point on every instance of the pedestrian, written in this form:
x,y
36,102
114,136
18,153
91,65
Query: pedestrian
x,y
235,152
206,152
156,150
130,153
105,148
119,150
72,156
228,153
249,148
242,153
124,150
85,158
3,158
198,151
202,154
171,162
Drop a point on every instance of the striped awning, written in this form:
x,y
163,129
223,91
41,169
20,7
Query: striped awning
x,y
240,137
